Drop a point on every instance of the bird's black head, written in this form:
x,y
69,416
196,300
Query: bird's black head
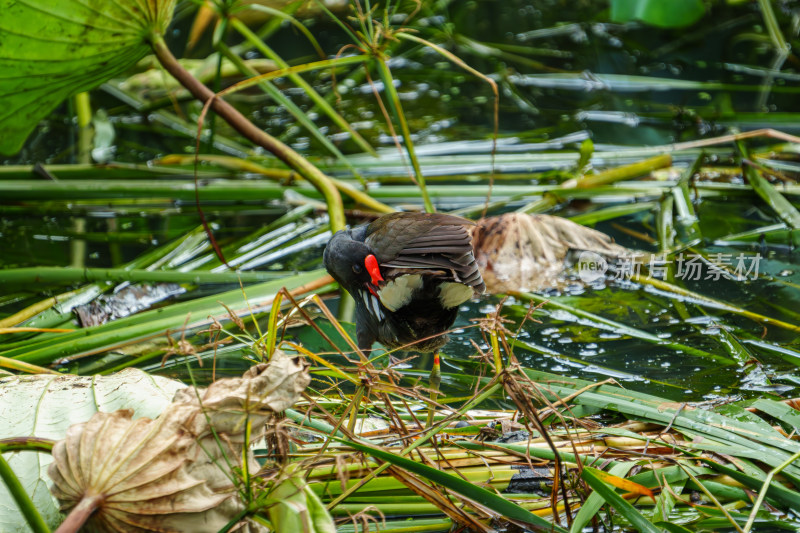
x,y
351,263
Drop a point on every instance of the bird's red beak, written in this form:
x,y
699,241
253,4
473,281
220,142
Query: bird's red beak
x,y
371,262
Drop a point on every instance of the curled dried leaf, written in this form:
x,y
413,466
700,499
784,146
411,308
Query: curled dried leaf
x,y
176,473
518,251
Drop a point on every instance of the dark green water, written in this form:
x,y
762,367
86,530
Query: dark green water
x,y
565,74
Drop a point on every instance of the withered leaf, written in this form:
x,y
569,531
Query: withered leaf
x,y
176,473
517,252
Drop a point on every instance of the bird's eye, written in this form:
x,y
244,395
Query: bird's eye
x,y
357,268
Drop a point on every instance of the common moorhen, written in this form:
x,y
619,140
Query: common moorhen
x,y
408,273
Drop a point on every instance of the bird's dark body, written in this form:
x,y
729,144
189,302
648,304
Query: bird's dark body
x,y
428,270
419,325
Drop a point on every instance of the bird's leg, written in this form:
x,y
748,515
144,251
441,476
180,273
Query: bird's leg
x,y
434,381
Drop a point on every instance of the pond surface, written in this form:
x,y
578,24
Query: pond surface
x,y
565,75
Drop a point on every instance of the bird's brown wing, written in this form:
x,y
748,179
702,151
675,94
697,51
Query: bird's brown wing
x,y
426,241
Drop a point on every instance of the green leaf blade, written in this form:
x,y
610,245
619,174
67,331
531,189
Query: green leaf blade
x,y
670,14
636,519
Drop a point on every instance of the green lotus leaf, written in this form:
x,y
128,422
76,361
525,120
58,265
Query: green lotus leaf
x,y
659,13
52,49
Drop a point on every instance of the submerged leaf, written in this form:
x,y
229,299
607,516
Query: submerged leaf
x,y
124,302
177,472
52,50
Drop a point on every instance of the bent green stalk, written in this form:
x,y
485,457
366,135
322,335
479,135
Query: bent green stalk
x,y
246,128
87,275
319,101
21,498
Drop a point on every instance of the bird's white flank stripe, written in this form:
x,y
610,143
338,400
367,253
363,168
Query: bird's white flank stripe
x,y
376,307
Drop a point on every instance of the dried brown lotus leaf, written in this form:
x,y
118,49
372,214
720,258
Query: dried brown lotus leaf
x,y
231,401
518,251
171,474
